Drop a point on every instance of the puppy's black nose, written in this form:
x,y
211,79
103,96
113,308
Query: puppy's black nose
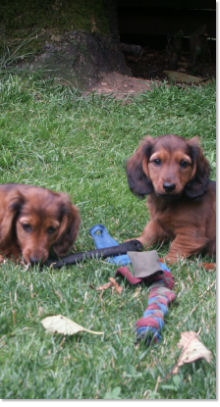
x,y
169,187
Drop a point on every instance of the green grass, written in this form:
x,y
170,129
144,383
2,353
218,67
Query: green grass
x,y
57,138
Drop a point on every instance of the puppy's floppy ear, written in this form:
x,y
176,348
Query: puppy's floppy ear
x,y
15,200
70,221
138,180
197,186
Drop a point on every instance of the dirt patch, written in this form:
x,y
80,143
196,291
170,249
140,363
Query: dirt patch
x,y
122,86
96,63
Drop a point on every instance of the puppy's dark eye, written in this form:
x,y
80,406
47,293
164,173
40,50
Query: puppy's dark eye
x,y
51,230
27,227
157,161
184,164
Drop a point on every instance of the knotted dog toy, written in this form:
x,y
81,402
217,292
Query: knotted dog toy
x,y
149,326
161,283
148,268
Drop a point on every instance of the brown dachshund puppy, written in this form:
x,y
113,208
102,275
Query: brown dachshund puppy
x,y
33,220
182,199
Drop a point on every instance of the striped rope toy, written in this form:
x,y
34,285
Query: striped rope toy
x,y
161,294
149,326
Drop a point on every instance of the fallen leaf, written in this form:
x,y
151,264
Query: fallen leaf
x,y
208,266
104,287
193,349
111,283
116,285
62,325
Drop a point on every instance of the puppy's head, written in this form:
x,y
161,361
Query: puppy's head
x,y
168,166
39,220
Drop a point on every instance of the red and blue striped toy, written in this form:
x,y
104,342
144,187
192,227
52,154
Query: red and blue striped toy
x,y
161,295
149,326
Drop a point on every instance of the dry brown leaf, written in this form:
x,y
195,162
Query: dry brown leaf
x,y
116,285
193,349
104,287
208,266
111,283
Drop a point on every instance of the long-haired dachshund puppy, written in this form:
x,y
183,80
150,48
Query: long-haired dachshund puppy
x,y
182,199
34,220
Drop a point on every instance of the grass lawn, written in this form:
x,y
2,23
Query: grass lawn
x,y
54,137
